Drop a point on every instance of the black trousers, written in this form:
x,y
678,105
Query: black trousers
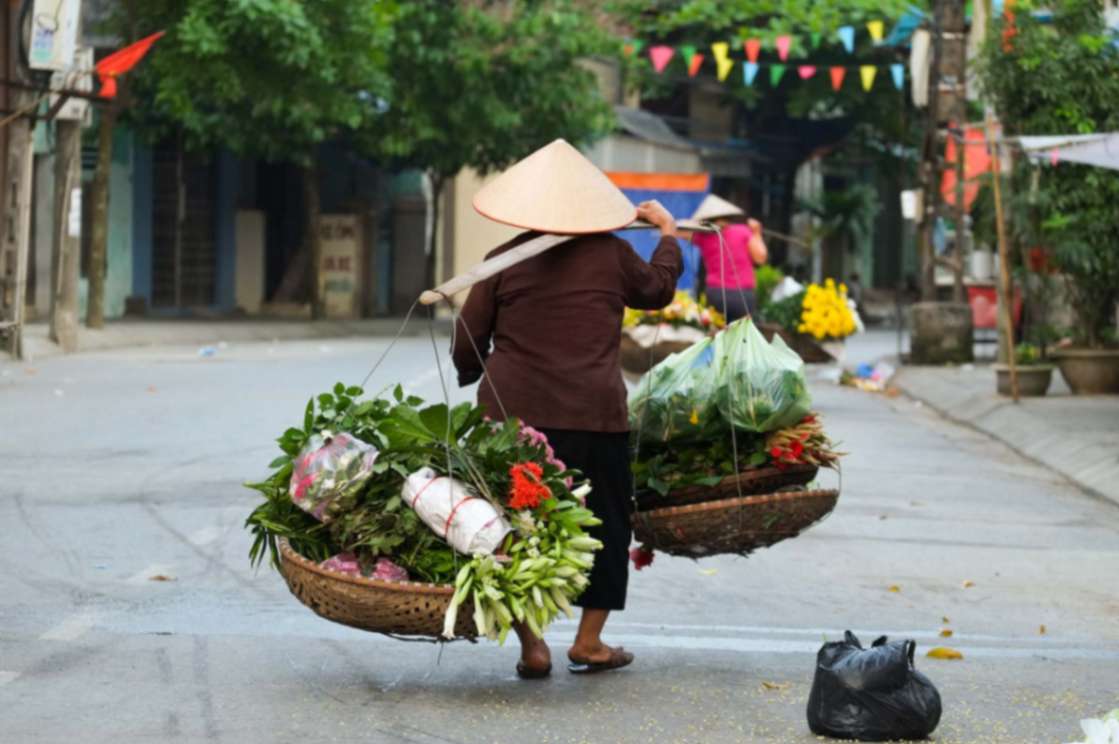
x,y
739,303
603,458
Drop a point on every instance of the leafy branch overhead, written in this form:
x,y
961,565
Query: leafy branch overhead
x,y
482,87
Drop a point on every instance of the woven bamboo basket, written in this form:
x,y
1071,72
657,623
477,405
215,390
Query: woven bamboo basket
x,y
746,483
737,525
637,359
397,608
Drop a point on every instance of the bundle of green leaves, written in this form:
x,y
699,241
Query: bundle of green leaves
x,y
542,564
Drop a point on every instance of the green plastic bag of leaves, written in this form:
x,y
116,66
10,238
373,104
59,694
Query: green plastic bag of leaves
x,y
674,401
758,386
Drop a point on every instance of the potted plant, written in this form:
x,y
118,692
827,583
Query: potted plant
x,y
1033,371
1071,207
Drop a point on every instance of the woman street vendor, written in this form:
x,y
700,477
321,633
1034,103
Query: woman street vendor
x,y
729,260
548,330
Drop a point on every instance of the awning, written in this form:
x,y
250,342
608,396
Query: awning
x,y
1100,150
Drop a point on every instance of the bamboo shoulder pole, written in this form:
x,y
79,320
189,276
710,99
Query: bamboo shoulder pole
x,y
526,250
1007,293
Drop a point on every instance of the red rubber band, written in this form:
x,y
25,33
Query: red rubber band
x,y
421,491
451,516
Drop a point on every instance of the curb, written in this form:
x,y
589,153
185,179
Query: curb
x,y
897,381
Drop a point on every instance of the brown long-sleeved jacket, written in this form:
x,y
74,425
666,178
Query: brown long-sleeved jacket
x,y
555,321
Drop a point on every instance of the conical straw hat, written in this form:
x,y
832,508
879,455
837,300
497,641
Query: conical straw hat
x,y
555,190
713,207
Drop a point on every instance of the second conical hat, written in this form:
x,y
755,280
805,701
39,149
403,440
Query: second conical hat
x,y
713,207
556,190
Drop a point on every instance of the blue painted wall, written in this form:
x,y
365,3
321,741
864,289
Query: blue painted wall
x,y
681,204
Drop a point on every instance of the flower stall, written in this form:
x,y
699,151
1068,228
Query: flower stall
x,y
395,516
727,448
813,321
649,336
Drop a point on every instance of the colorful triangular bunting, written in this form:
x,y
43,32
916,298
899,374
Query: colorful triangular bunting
x,y
877,29
632,47
720,49
847,36
816,37
806,71
867,73
661,56
782,43
694,64
837,75
898,71
776,72
753,47
749,72
723,67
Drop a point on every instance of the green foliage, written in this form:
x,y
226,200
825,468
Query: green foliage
x,y
786,312
1027,354
767,277
849,213
481,86
1063,78
270,78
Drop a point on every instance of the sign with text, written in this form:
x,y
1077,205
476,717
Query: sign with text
x,y
340,271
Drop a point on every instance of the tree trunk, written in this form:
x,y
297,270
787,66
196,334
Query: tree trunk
x,y
930,167
99,230
437,183
67,235
314,238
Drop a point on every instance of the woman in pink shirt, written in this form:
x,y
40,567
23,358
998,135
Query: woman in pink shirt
x,y
730,279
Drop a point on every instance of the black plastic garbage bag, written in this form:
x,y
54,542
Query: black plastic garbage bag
x,y
871,694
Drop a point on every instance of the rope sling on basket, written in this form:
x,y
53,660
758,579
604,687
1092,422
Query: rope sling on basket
x,y
741,513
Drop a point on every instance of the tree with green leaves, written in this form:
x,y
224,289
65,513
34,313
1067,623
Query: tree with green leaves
x,y
265,78
1055,77
481,85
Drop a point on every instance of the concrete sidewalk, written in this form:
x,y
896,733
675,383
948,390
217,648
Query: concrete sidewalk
x,y
131,333
1076,436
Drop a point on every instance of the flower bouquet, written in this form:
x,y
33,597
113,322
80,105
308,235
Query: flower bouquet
x,y
649,336
814,320
728,418
397,490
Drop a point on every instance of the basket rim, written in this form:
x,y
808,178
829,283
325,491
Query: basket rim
x,y
289,553
797,468
765,498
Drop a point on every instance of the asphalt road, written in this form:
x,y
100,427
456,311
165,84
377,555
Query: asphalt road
x,y
117,467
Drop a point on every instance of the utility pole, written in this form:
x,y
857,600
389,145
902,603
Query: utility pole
x,y
947,103
16,239
66,253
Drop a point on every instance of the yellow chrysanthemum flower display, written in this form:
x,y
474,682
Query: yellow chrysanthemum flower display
x,y
825,314
682,311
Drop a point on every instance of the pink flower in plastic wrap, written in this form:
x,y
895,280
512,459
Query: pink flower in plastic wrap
x,y
537,438
343,563
386,570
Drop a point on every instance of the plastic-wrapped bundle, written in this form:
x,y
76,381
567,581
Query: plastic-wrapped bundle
x,y
871,694
674,399
758,386
329,473
469,523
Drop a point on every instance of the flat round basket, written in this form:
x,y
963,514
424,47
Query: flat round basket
x,y
737,525
746,483
398,608
638,359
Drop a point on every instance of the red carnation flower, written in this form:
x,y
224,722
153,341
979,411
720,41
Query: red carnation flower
x,y
641,557
527,490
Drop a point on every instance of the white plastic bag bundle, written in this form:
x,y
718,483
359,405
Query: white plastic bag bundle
x,y
787,287
469,523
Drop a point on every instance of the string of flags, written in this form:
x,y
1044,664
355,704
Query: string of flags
x,y
661,55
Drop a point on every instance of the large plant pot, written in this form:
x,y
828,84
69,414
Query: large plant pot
x,y
940,333
1089,371
1033,379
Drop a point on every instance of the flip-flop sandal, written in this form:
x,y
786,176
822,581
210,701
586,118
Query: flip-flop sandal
x,y
619,658
527,672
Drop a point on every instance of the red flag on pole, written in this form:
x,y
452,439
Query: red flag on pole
x,y
120,62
